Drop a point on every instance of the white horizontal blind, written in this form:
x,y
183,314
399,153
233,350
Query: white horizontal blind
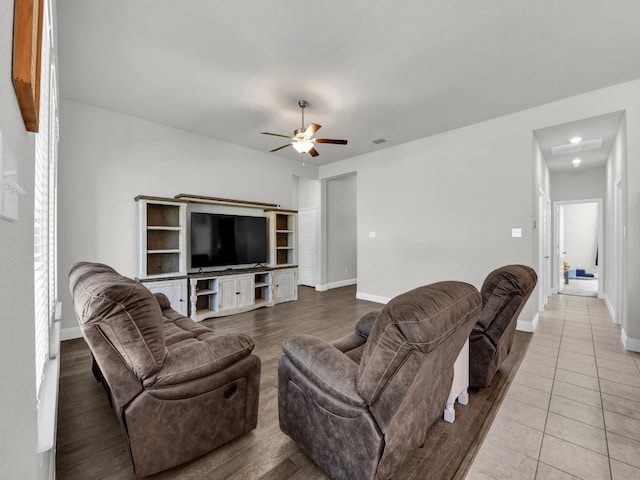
x,y
44,210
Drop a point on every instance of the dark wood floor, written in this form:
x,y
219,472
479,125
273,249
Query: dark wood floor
x,y
90,445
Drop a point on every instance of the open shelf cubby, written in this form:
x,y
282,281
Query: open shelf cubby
x,y
283,242
161,238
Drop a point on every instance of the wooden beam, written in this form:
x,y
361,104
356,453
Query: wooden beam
x,y
27,50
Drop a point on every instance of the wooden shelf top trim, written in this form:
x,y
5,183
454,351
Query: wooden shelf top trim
x,y
159,199
166,277
190,198
223,201
280,210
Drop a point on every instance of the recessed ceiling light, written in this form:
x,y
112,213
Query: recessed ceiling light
x,y
576,162
575,140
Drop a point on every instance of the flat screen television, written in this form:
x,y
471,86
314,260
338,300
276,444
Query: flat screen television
x,y
219,240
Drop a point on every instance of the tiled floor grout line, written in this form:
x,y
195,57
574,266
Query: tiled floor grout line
x,y
604,419
555,371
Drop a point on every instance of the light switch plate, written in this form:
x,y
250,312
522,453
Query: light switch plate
x,y
9,188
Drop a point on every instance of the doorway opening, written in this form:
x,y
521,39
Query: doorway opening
x,y
579,240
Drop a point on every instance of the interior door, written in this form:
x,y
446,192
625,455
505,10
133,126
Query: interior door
x,y
546,233
308,252
544,216
561,250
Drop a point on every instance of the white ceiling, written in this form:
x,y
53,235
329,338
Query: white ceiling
x,y
369,69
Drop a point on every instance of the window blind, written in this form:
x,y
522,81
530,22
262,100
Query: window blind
x,y
44,210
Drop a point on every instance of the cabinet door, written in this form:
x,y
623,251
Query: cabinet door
x,y
176,292
228,294
245,291
286,287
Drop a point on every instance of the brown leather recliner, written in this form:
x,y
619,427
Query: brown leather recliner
x,y
504,293
178,390
361,406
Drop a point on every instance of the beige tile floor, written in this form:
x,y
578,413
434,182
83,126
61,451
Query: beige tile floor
x,y
573,411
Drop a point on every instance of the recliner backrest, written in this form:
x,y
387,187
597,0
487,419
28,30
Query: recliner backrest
x,y
407,329
504,293
125,312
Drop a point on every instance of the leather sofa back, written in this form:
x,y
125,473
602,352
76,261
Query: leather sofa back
x,y
124,311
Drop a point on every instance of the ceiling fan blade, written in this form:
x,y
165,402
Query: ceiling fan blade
x,y
280,148
276,134
313,152
311,129
330,140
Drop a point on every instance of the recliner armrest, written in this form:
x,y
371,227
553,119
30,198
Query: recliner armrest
x,y
162,300
327,367
365,324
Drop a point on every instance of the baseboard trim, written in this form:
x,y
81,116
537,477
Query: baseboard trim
x,y
525,326
70,333
342,283
612,310
632,344
372,298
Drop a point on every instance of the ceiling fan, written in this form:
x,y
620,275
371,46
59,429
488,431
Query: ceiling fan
x,y
302,139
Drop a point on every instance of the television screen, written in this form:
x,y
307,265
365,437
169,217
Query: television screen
x,y
226,240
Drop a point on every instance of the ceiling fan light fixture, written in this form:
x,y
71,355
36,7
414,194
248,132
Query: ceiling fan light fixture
x,y
303,146
303,138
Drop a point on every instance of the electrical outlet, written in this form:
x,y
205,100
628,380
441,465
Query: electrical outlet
x,y
516,232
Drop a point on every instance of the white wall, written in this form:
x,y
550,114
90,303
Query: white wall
x,y
106,159
578,185
341,232
581,236
443,206
308,193
18,411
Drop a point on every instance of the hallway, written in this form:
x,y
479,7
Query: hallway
x,y
573,411
581,287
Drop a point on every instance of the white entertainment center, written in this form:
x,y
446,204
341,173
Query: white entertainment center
x,y
163,254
